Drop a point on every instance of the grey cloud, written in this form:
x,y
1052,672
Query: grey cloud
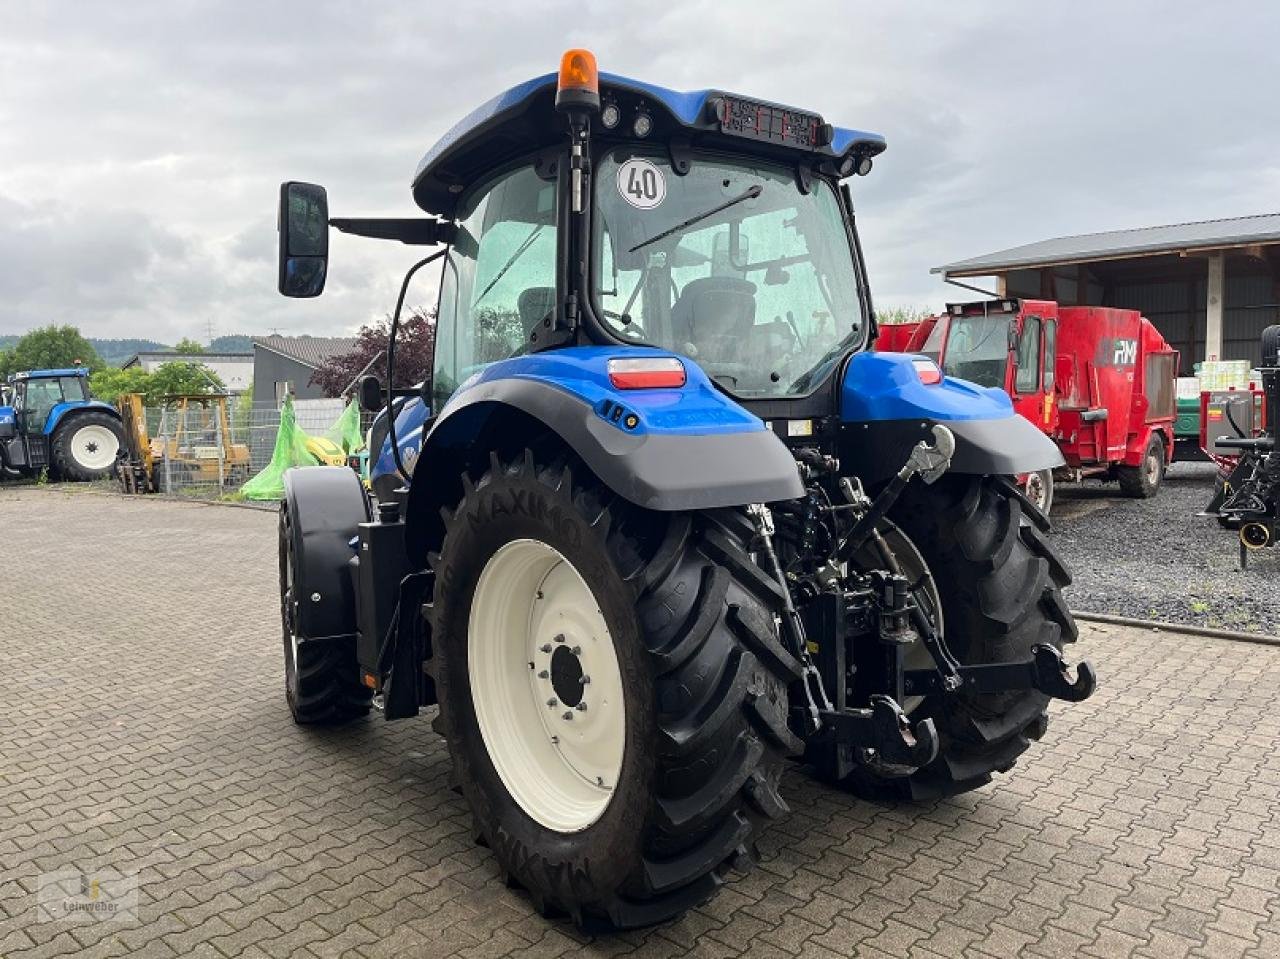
x,y
143,143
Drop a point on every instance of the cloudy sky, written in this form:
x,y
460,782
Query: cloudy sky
x,y
141,143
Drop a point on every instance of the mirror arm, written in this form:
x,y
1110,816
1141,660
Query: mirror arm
x,y
416,232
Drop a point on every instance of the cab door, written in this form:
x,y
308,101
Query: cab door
x,y
1049,379
1028,386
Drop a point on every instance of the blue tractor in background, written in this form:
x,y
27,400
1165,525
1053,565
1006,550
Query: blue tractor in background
x,y
660,520
48,421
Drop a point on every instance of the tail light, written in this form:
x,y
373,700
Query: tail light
x,y
928,371
647,373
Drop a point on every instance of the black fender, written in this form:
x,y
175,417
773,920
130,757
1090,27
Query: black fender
x,y
1006,446
326,504
657,471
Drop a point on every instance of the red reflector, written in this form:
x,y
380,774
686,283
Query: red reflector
x,y
658,373
928,372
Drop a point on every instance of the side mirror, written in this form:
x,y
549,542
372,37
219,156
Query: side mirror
x,y
370,394
304,239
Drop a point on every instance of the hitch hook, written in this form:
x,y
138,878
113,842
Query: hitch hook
x,y
1052,677
899,745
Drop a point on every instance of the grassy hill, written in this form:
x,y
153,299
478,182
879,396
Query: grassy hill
x,y
115,352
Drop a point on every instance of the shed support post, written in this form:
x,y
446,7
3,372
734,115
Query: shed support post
x,y
1216,288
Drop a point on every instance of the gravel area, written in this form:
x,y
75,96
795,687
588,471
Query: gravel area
x,y
1155,559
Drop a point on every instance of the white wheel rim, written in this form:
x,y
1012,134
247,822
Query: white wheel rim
x,y
1035,489
535,630
1153,468
94,447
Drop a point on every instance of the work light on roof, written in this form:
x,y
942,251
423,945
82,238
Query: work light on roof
x,y
610,114
642,125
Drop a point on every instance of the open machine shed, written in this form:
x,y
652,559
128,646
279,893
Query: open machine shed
x,y
1210,287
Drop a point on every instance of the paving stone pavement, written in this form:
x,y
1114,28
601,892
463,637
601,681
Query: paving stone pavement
x,y
143,728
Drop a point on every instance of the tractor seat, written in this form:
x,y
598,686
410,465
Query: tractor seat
x,y
712,307
534,305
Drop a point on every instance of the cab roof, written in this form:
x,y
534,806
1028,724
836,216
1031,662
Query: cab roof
x,y
48,374
522,120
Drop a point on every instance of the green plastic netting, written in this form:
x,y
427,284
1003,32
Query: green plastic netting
x,y
345,431
290,451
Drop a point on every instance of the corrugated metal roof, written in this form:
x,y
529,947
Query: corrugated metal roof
x,y
311,350
1205,234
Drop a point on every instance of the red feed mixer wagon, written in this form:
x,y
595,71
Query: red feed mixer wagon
x,y
1099,381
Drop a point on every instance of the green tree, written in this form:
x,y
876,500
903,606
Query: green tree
x,y
177,378
50,347
111,383
902,314
185,345
170,379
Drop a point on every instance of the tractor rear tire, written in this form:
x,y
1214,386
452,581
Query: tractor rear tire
x,y
86,445
321,677
1143,481
1000,585
544,577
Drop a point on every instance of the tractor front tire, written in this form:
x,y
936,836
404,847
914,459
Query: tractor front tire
x,y
86,445
612,690
1143,481
1000,586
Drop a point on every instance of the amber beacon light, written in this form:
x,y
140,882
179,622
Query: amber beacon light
x,y
579,85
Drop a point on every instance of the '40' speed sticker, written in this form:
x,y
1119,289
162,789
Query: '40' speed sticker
x,y
641,184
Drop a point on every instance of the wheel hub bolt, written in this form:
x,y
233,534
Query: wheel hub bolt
x,y
581,707
543,674
553,703
545,647
560,637
568,715
584,680
576,650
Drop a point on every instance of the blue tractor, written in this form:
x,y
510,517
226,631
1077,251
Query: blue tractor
x,y
48,421
660,520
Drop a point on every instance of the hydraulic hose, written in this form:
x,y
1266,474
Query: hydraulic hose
x,y
391,361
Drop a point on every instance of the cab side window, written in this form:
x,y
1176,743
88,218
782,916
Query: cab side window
x,y
41,397
1027,379
1050,354
499,279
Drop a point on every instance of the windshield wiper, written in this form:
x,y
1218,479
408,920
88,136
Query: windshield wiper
x,y
519,252
750,193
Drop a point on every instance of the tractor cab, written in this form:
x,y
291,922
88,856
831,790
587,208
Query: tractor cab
x,y
1010,345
